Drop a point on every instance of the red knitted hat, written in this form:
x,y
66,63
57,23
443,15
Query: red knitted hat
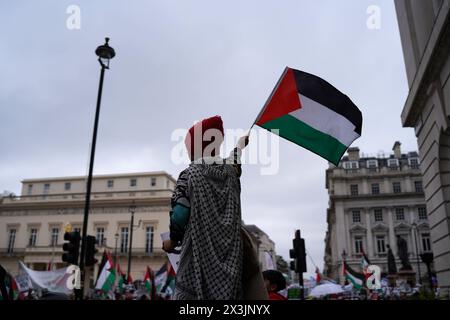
x,y
203,133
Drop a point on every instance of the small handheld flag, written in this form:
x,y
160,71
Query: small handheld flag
x,y
357,279
311,113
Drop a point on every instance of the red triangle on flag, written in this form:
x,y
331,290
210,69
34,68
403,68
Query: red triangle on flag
x,y
283,100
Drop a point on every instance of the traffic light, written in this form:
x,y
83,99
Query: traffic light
x,y
298,253
71,248
90,251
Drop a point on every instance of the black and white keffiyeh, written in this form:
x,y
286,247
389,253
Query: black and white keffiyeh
x,y
212,252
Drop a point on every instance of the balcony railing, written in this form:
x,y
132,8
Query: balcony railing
x,y
139,252
58,249
95,195
342,172
12,251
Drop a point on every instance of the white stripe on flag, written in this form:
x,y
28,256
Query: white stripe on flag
x,y
325,120
103,275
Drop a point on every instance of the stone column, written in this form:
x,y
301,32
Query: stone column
x,y
365,187
342,235
411,214
408,184
340,228
386,186
414,237
392,239
370,251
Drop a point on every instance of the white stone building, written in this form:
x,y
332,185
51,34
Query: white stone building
x,y
265,247
425,35
32,225
371,201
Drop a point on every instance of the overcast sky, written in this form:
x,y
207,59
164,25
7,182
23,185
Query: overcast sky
x,y
180,61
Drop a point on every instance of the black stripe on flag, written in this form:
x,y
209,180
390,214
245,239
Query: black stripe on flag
x,y
101,266
358,275
324,93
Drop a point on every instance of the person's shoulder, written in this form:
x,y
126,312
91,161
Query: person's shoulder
x,y
184,174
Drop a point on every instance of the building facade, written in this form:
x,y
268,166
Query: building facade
x,y
372,200
265,247
425,36
32,225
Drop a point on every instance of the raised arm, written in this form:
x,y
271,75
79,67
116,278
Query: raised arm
x,y
235,155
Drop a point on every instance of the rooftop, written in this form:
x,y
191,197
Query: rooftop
x,y
102,176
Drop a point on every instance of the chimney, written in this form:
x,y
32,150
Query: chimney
x,y
353,154
397,150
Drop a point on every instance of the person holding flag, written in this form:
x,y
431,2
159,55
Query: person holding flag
x,y
206,218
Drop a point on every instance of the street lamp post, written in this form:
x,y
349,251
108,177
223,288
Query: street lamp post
x,y
414,225
132,210
105,53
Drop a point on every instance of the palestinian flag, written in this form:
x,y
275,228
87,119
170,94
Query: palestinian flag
x,y
3,285
318,276
149,283
357,279
129,279
310,112
14,289
169,286
121,277
8,286
160,278
106,274
365,262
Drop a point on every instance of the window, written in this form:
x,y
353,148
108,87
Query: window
x,y
414,162
153,182
378,214
354,189
133,182
399,214
110,183
392,164
381,246
375,188
358,244
418,186
372,165
167,183
124,239
30,189
351,165
33,237
11,240
356,216
54,237
100,235
396,187
149,239
46,188
422,211
67,186
426,244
